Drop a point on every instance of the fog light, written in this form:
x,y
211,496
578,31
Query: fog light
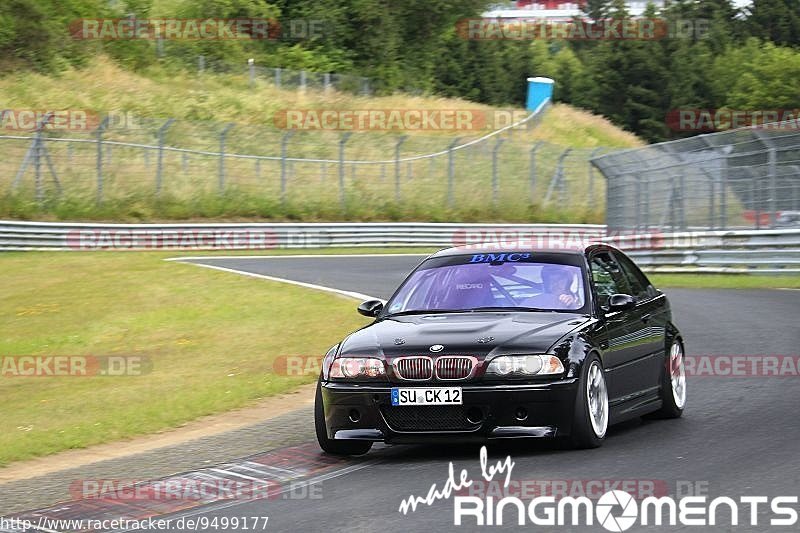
x,y
521,413
474,415
355,416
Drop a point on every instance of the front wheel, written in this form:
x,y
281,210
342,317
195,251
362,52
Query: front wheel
x,y
332,446
673,384
590,421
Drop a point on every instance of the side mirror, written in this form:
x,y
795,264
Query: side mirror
x,y
621,302
371,308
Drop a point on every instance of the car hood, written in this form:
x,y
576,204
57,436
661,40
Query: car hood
x,y
478,334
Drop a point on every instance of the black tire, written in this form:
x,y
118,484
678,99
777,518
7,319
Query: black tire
x,y
583,435
669,407
331,446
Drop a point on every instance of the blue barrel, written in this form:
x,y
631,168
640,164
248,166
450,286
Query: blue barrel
x,y
539,91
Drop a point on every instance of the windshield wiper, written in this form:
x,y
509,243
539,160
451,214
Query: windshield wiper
x,y
525,309
426,312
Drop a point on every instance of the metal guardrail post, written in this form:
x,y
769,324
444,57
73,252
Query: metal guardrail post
x,y
754,202
36,153
37,161
495,177
326,82
773,187
723,194
557,176
451,171
222,138
278,73
99,135
646,201
303,81
342,142
284,150
201,64
682,203
638,202
162,131
532,170
397,147
712,205
251,68
590,190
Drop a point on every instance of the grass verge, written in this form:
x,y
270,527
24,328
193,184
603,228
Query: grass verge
x,y
726,281
211,338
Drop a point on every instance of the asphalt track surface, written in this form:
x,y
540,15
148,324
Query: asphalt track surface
x,y
739,435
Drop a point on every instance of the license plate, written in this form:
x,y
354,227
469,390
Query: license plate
x,y
426,396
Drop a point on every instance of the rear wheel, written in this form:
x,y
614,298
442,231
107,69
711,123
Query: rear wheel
x,y
673,384
590,421
332,446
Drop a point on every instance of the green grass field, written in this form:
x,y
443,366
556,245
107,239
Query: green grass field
x,y
211,338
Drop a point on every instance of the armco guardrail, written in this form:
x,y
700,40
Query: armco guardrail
x,y
264,236
764,251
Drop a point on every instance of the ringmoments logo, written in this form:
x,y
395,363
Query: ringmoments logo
x,y
615,510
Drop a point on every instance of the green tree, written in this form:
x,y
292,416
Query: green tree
x,y
775,20
757,76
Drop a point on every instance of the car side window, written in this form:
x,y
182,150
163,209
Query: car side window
x,y
607,277
636,279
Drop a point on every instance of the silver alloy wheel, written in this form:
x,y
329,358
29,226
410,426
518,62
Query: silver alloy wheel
x,y
597,399
677,375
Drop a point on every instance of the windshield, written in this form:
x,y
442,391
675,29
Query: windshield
x,y
463,284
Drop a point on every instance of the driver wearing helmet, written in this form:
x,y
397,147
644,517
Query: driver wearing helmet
x,y
557,283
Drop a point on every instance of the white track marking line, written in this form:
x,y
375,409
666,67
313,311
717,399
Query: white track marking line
x,y
236,474
292,472
268,474
262,472
313,481
348,294
300,256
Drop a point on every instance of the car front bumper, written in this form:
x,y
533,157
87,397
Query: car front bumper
x,y
364,412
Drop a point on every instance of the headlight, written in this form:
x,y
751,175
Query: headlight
x,y
522,366
357,368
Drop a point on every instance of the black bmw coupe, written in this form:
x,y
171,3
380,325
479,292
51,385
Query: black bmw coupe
x,y
510,343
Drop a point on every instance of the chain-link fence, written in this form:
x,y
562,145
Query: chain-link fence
x,y
744,178
306,174
279,76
